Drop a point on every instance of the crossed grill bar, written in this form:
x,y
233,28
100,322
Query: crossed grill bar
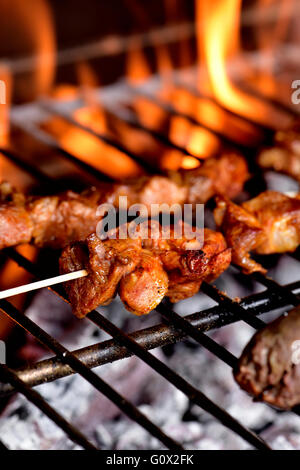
x,y
173,328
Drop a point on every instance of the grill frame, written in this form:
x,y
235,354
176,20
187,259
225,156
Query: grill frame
x,y
173,329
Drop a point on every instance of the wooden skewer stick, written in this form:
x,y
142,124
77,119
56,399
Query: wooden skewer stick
x,y
44,283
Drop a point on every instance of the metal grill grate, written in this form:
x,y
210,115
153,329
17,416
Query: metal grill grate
x,y
174,327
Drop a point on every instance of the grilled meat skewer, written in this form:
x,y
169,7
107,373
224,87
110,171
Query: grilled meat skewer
x,y
269,367
142,270
56,221
269,223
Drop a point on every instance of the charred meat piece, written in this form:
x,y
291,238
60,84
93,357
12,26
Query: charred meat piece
x,y
269,223
224,175
284,154
197,266
56,221
269,368
106,264
142,270
46,221
189,261
59,220
180,287
204,257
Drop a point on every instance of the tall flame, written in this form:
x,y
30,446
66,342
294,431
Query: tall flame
x,y
31,33
218,36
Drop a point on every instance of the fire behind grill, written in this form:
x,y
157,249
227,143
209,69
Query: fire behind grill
x,y
28,123
174,327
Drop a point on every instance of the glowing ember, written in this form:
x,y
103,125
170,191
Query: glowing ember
x,y
100,155
188,163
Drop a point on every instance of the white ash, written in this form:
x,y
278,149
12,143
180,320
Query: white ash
x,y
22,426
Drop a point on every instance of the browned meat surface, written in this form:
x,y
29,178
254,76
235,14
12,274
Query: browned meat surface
x,y
56,221
143,289
15,222
180,287
269,223
154,268
196,259
106,264
284,155
224,175
60,220
269,367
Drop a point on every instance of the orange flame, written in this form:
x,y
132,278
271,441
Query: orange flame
x,y
137,67
33,35
197,140
219,37
164,64
12,275
90,149
83,144
88,82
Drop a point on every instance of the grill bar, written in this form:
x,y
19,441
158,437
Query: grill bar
x,y
30,169
235,307
193,394
162,334
102,137
69,358
3,446
227,311
108,46
188,329
34,397
276,288
268,131
126,116
169,108
44,138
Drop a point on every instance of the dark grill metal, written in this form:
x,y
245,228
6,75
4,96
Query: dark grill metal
x,y
174,327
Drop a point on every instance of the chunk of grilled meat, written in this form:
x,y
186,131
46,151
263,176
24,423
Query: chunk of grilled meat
x,y
269,223
224,175
188,265
284,154
144,288
106,264
269,367
180,287
140,270
56,221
